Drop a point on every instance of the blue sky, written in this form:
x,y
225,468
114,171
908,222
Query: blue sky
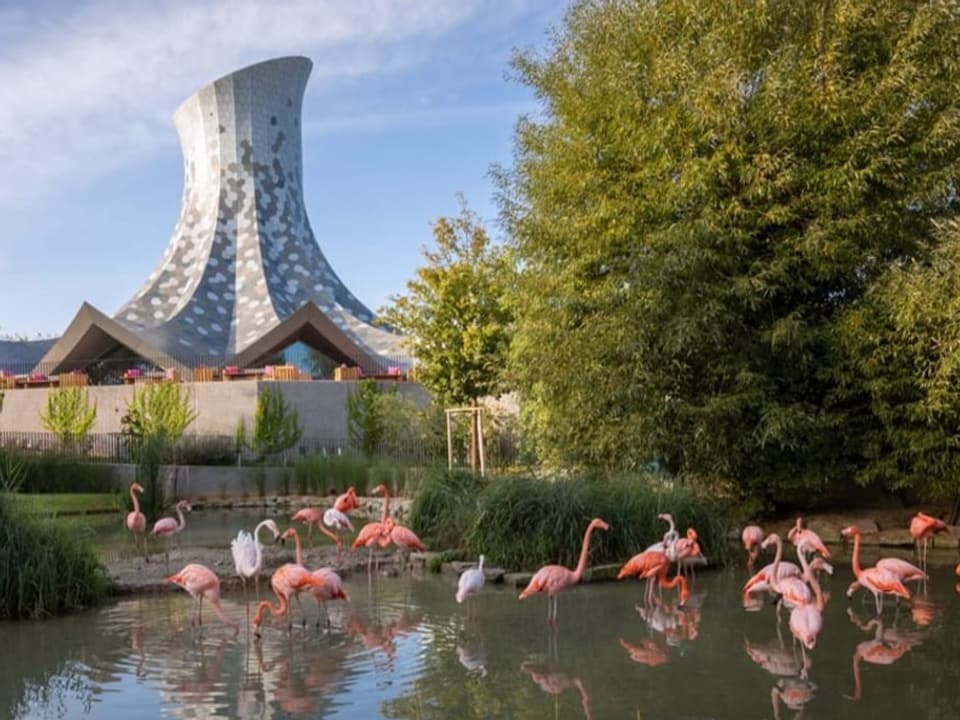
x,y
409,103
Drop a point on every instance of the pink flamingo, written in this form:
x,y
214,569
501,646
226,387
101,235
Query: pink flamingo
x,y
347,501
551,579
752,536
403,537
877,580
201,582
136,520
309,517
799,535
331,587
167,526
653,566
371,534
793,591
923,528
806,619
289,579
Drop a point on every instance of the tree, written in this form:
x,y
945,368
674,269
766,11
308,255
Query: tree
x,y
905,346
455,312
276,426
68,414
156,418
708,189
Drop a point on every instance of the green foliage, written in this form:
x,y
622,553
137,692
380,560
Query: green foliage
x,y
333,474
454,313
445,507
707,190
46,568
364,417
161,410
276,426
905,361
12,472
52,472
69,414
523,522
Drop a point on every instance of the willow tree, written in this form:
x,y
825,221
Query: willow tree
x,y
454,312
707,189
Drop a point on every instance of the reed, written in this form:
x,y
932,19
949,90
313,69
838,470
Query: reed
x,y
46,567
525,522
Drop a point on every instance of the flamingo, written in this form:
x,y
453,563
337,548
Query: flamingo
x,y
403,537
201,582
289,579
330,587
903,570
470,583
653,565
247,552
347,501
136,520
799,535
372,533
167,526
335,520
806,619
793,590
551,579
877,580
668,544
309,517
752,536
923,528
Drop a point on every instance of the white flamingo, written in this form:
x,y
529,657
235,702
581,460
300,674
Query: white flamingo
x,y
247,552
471,582
338,522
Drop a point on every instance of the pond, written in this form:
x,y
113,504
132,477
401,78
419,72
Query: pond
x,y
403,648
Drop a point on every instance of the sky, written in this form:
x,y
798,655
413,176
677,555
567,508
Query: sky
x,y
410,103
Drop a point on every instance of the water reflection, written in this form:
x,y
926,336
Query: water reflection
x,y
554,681
407,650
888,645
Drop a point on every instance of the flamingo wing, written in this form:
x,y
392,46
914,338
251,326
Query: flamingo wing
x,y
244,550
164,526
471,581
337,520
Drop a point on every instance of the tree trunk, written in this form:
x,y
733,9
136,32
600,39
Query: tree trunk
x,y
475,438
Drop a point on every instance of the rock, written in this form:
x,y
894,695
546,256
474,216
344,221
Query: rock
x,y
897,537
601,573
828,530
517,579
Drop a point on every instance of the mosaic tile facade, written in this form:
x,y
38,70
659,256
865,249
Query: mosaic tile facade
x,y
243,257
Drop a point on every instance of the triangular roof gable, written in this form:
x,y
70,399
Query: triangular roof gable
x,y
90,335
311,326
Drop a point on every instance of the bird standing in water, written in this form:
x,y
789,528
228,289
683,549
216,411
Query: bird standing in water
x,y
551,579
201,582
136,520
470,583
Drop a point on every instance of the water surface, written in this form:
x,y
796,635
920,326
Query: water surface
x,y
403,648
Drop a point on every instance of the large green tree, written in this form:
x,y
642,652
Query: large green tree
x,y
454,311
708,189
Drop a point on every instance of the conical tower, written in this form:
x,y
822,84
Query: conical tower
x,y
243,259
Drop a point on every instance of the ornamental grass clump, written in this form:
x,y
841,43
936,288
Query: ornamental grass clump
x,y
446,507
46,568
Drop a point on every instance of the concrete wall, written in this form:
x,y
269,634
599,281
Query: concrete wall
x,y
196,482
320,404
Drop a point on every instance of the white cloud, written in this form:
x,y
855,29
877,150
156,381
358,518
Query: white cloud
x,y
86,90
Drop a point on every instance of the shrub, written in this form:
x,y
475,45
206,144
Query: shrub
x,y
46,568
525,522
49,472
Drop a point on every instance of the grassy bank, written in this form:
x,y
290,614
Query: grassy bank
x,y
46,568
524,522
67,503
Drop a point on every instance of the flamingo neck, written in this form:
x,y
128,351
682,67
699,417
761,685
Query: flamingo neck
x,y
218,609
480,565
775,571
183,521
296,542
855,559
136,501
582,562
386,504
276,611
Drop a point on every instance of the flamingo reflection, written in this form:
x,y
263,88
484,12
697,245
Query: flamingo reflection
x,y
473,657
554,681
647,652
794,693
200,687
887,646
